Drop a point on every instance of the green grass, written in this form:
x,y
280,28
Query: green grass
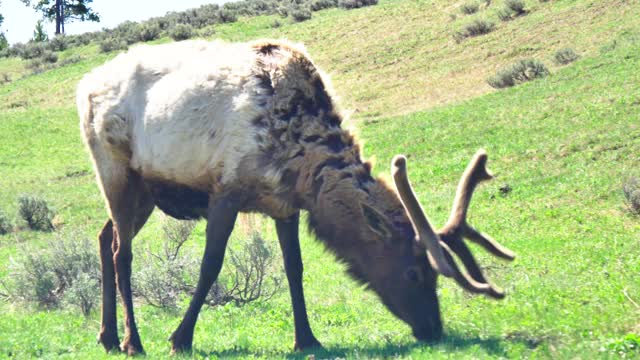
x,y
564,144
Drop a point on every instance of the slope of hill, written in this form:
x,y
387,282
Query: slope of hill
x,y
563,145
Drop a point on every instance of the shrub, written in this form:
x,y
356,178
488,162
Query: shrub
x,y
110,44
504,14
32,50
354,4
65,272
317,5
522,71
34,64
169,274
207,32
181,32
469,8
227,16
631,191
70,60
5,224
49,57
5,78
4,43
128,31
58,43
565,56
148,31
254,276
300,14
476,27
511,9
36,213
515,6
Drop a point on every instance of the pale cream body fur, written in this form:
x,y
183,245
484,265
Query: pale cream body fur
x,y
180,113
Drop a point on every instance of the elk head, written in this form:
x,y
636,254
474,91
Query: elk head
x,y
405,277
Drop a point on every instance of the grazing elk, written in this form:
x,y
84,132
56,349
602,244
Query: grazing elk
x,y
211,129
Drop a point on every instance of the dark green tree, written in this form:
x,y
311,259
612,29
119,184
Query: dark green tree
x,y
3,39
40,34
64,11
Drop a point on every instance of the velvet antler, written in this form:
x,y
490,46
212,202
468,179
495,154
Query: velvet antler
x,y
452,234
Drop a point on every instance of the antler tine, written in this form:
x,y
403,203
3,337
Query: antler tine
x,y
426,235
469,283
475,173
456,228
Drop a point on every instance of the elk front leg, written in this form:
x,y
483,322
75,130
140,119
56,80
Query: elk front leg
x,y
287,230
221,218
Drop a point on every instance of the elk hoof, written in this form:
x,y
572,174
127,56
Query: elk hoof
x,y
109,341
307,344
131,348
180,344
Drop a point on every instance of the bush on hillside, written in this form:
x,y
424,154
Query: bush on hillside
x,y
5,78
476,27
36,213
171,273
128,32
631,189
565,56
300,14
148,31
469,8
112,44
6,226
66,272
317,5
522,71
512,9
515,6
227,16
181,32
70,60
49,57
32,50
355,4
201,17
58,43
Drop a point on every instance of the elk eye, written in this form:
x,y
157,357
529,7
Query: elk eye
x,y
413,275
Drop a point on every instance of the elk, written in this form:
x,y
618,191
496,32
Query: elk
x,y
210,129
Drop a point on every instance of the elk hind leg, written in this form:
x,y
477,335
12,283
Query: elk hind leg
x,y
130,204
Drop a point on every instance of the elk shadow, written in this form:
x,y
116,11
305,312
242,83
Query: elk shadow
x,y
493,345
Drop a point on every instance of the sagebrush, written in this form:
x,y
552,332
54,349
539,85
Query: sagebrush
x,y
469,8
565,56
6,226
36,213
522,71
181,32
65,272
169,274
631,189
476,27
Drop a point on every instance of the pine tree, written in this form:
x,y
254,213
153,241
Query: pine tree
x,y
64,11
40,34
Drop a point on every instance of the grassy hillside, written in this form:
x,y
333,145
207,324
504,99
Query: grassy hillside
x,y
563,144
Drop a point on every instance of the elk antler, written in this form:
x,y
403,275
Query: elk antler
x,y
451,235
426,236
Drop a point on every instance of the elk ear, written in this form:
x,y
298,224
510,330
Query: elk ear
x,y
376,221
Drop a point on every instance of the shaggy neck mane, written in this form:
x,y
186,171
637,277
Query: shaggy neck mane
x,y
315,159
